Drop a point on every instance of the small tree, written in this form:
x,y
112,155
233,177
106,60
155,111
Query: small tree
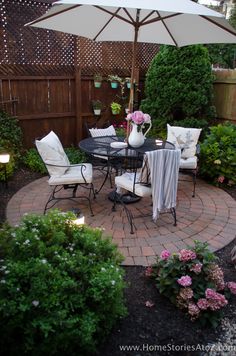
x,y
179,85
224,54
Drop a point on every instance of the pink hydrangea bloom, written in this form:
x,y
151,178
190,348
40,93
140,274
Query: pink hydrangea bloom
x,y
232,287
215,300
221,179
165,255
137,117
148,271
186,293
210,293
129,117
196,268
202,304
193,309
147,118
185,281
187,255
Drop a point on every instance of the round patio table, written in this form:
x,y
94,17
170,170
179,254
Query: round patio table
x,y
102,146
126,158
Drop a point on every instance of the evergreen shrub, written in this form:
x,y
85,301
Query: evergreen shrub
x,y
179,86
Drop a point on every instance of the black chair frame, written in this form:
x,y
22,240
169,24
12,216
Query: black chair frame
x,y
53,199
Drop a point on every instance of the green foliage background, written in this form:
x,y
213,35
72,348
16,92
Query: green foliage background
x,y
10,141
218,154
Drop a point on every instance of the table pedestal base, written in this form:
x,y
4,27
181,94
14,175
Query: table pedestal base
x,y
127,198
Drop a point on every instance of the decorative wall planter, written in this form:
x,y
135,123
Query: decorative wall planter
x,y
114,85
115,108
97,112
97,84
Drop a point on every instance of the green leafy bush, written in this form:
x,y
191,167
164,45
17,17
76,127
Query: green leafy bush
x,y
179,85
10,141
61,287
218,154
33,160
194,282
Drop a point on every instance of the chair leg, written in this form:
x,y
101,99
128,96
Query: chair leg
x,y
194,182
128,213
173,213
56,189
108,174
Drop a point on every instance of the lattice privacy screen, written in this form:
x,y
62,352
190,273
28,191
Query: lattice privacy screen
x,y
31,46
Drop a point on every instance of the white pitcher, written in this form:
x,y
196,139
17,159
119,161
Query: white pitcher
x,y
136,138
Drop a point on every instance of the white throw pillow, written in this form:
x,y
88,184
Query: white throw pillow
x,y
109,131
184,138
52,152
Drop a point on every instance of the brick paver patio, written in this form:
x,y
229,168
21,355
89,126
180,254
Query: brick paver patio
x,y
210,216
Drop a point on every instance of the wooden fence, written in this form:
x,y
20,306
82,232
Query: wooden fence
x,y
62,103
59,103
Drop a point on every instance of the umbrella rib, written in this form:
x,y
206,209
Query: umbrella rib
x,y
52,15
146,17
107,23
162,20
159,18
218,25
115,14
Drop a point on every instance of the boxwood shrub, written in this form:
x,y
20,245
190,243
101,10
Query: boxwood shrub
x,y
61,287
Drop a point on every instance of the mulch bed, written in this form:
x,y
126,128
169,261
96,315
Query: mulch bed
x,y
148,329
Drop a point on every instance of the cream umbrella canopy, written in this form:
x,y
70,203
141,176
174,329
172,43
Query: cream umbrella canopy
x,y
172,22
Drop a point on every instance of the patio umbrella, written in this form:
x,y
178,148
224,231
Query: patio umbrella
x,y
172,22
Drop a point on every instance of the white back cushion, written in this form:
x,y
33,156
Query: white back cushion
x,y
184,138
109,131
52,152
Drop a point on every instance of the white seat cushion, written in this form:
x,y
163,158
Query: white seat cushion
x,y
126,180
109,131
188,163
184,138
73,175
52,152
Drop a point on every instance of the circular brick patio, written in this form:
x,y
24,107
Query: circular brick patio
x,y
210,216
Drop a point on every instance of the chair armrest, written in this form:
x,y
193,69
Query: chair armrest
x,y
65,166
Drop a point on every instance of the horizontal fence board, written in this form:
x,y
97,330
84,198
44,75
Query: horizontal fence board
x,y
64,127
53,115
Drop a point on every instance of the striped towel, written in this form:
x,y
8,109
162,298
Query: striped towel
x,y
164,171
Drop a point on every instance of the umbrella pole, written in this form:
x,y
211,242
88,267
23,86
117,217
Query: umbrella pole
x,y
134,56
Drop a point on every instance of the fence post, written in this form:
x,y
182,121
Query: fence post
x,y
78,116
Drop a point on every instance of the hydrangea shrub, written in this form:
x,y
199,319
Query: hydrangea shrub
x,y
61,287
218,154
194,282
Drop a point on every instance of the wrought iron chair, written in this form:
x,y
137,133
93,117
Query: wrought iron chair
x,y
187,140
105,164
62,174
157,179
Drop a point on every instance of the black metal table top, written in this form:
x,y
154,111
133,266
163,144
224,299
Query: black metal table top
x,y
102,146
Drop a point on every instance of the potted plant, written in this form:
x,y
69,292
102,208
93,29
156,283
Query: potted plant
x,y
97,107
97,80
115,108
128,82
115,80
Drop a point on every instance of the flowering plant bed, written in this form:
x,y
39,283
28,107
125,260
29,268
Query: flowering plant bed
x,y
194,282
